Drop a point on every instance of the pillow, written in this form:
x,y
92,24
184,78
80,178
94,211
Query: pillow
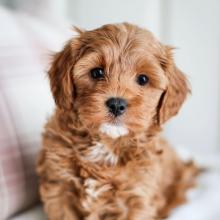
x,y
25,103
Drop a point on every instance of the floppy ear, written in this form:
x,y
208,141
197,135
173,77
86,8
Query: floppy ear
x,y
177,89
61,75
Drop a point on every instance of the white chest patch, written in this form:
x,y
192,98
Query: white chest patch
x,y
100,153
114,131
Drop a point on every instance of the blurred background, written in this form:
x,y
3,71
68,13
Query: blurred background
x,y
32,29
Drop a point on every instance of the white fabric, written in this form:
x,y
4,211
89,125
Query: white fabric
x,y
35,213
204,200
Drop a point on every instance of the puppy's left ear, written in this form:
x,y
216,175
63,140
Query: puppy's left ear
x,y
178,88
61,74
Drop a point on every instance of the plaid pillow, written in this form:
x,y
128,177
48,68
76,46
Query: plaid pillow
x,y
25,102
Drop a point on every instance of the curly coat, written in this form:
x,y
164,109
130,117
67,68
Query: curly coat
x,y
85,173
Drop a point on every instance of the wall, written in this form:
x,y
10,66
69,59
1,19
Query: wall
x,y
193,26
91,14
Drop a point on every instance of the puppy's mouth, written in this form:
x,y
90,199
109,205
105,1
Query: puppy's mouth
x,y
113,130
114,126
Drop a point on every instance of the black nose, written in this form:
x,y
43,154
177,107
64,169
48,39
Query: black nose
x,y
116,106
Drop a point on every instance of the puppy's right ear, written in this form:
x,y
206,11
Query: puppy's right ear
x,y
61,74
177,90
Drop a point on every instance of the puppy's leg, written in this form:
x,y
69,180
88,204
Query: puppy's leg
x,y
176,192
57,202
141,209
123,206
58,192
177,178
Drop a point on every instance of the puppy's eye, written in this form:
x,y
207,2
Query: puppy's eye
x,y
97,73
142,80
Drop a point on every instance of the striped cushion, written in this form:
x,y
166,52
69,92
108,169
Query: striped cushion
x,y
25,102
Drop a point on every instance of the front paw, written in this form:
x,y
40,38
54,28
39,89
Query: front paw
x,y
93,190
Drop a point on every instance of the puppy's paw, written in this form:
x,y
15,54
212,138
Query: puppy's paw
x,y
93,190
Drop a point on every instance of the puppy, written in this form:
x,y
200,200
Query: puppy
x,y
103,157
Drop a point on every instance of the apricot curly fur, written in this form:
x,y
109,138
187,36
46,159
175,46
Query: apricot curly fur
x,y
86,174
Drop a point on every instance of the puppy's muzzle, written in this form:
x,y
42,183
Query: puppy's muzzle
x,y
116,106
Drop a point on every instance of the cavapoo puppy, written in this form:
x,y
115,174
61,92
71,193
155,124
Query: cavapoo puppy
x,y
103,157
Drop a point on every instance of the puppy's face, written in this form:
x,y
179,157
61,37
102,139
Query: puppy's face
x,y
119,78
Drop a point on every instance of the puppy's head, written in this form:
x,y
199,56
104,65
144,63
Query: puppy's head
x,y
119,78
